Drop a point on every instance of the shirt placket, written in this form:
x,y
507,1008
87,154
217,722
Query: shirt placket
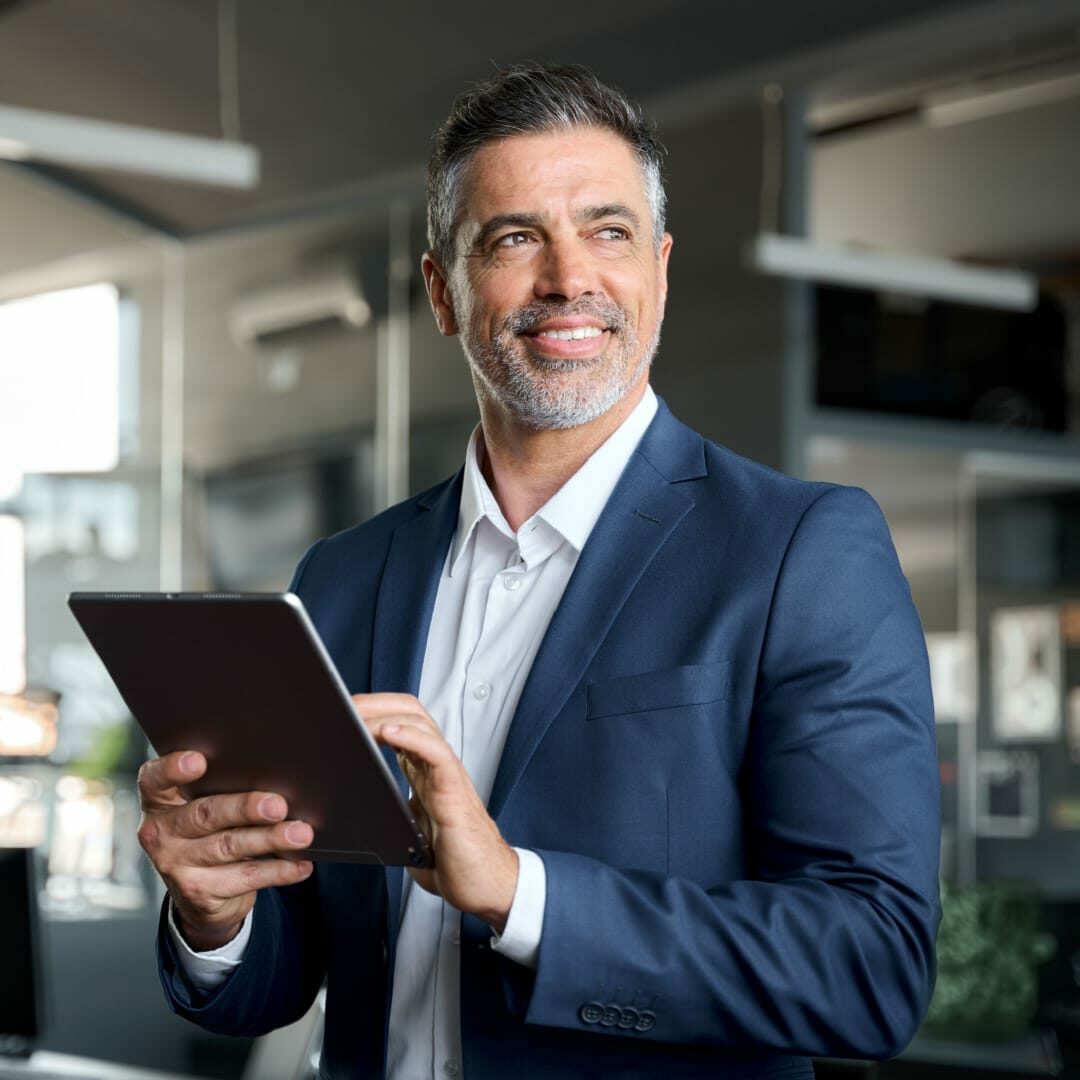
x,y
482,703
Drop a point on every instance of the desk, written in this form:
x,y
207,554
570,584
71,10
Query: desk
x,y
1031,1056
45,1065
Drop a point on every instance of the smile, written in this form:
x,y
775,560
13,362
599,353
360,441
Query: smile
x,y
576,334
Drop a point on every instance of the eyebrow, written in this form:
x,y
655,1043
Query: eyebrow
x,y
534,221
610,210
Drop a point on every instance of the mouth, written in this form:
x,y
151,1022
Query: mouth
x,y
578,333
570,339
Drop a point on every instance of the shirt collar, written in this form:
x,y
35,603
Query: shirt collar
x,y
571,512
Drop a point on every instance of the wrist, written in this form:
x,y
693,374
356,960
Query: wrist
x,y
205,938
503,898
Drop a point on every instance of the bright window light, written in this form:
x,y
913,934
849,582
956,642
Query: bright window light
x,y
59,361
12,603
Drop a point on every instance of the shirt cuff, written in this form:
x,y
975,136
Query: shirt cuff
x,y
208,970
520,939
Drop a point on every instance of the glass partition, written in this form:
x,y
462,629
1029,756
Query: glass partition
x,y
79,509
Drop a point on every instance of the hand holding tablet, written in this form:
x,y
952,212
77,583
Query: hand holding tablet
x,y
214,853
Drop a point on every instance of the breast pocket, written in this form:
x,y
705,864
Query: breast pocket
x,y
664,691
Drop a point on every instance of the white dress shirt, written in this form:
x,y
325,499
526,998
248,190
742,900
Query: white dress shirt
x,y
497,594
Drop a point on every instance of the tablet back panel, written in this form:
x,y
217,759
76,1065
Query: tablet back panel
x,y
244,679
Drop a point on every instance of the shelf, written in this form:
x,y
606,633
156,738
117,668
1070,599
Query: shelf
x,y
928,433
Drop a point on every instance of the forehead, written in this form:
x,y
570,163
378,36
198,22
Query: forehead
x,y
542,172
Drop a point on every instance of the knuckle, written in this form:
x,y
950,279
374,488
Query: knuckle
x,y
193,890
144,781
202,813
225,846
149,834
251,873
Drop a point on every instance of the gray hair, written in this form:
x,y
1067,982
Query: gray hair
x,y
528,99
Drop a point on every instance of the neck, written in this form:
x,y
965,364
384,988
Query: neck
x,y
524,467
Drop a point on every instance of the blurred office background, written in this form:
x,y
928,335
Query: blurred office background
x,y
876,281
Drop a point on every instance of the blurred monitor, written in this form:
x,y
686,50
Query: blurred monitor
x,y
262,515
20,983
880,352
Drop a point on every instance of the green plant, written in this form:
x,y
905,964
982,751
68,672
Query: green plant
x,y
989,949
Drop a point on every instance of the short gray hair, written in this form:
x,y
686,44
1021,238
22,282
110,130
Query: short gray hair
x,y
528,99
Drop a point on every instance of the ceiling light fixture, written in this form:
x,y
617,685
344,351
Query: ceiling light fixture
x,y
964,104
915,275
59,139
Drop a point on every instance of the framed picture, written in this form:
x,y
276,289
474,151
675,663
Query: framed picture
x,y
952,676
1007,796
1026,674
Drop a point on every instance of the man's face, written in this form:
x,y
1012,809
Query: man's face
x,y
557,286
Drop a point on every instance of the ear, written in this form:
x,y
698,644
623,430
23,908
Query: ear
x,y
438,290
664,254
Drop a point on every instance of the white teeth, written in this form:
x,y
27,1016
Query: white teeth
x,y
576,334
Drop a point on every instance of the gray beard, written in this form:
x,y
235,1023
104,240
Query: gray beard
x,y
530,387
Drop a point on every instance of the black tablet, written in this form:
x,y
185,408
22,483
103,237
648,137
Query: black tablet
x,y
245,679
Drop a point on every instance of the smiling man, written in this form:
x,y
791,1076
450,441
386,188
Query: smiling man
x,y
664,713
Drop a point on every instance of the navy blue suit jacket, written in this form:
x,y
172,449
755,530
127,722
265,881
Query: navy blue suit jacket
x,y
724,755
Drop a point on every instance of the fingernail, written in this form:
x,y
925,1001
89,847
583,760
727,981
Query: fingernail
x,y
189,763
272,808
296,833
390,729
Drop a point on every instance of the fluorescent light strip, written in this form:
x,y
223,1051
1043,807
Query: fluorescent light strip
x,y
939,279
959,107
29,134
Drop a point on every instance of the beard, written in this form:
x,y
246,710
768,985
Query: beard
x,y
545,393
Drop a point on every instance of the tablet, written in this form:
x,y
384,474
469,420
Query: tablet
x,y
244,679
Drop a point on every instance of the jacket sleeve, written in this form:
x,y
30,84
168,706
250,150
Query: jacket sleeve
x,y
827,946
278,979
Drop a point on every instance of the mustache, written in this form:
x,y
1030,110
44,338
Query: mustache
x,y
526,319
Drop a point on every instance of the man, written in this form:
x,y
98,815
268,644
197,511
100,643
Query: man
x,y
672,739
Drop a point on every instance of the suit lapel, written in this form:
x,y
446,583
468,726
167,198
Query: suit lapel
x,y
644,509
403,608
407,591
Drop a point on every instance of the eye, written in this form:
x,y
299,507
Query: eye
x,y
612,232
514,239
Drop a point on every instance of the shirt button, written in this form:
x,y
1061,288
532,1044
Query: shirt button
x,y
455,937
451,1067
512,582
481,691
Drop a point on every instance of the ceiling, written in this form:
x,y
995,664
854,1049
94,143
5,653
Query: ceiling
x,y
341,97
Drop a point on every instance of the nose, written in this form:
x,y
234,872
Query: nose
x,y
565,271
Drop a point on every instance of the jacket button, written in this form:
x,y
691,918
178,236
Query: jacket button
x,y
610,1016
591,1012
646,1021
628,1018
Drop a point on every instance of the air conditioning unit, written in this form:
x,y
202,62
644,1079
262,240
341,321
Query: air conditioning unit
x,y
321,301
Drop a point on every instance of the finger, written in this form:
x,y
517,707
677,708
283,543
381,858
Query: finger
x,y
160,778
235,845
422,746
238,879
213,813
414,738
381,706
